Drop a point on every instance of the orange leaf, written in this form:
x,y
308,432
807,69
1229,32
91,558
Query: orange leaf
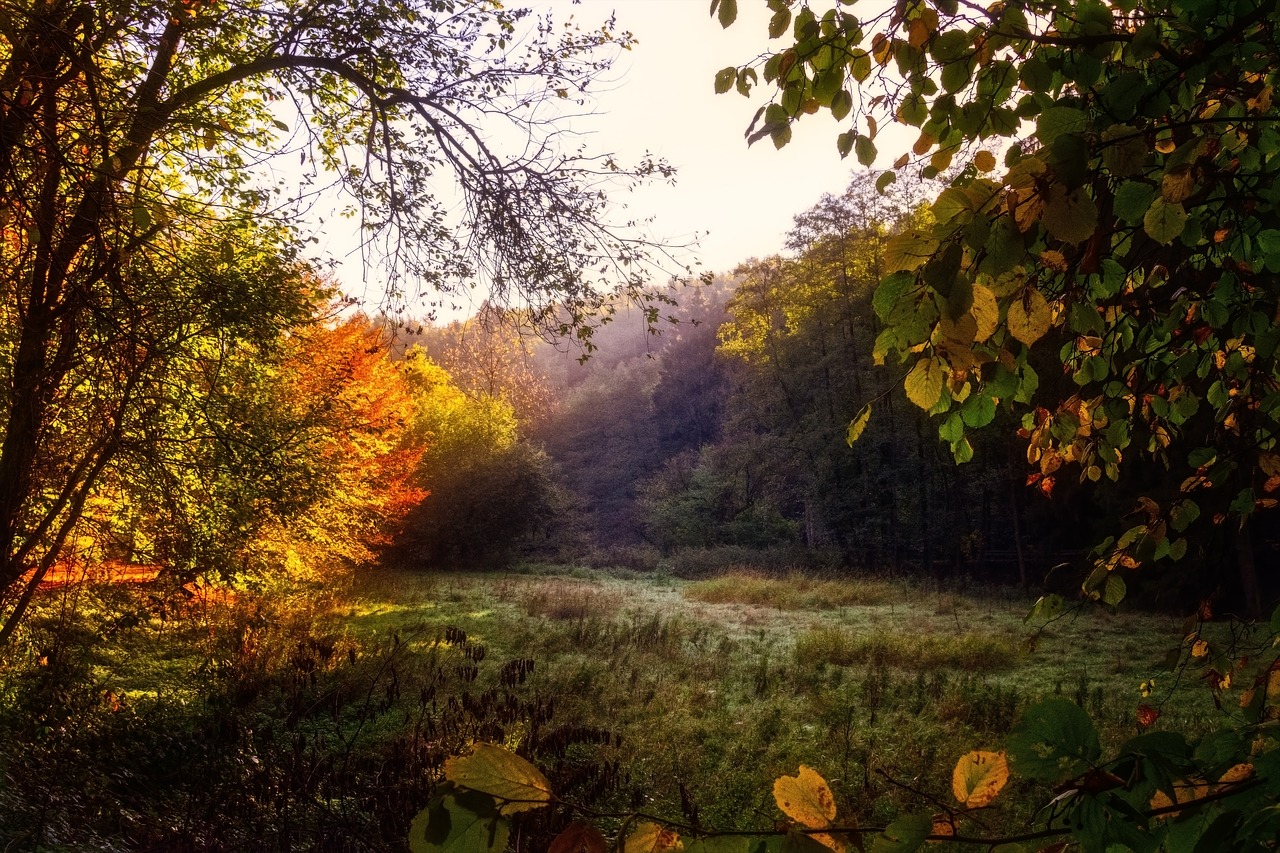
x,y
579,837
1238,773
978,777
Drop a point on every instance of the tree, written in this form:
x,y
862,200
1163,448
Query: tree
x,y
1133,237
491,355
485,488
123,121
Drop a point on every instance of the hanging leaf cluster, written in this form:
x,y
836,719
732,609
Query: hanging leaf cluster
x,y
1111,215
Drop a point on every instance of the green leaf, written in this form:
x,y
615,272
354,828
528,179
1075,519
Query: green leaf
x,y
884,180
908,251
1133,200
978,410
858,425
1113,590
465,822
904,835
956,75
796,841
950,203
1005,248
728,11
951,429
844,143
860,65
1183,513
731,844
865,150
889,293
841,104
913,110
1057,121
725,78
924,383
1163,221
1046,609
779,23
1053,739
962,451
950,46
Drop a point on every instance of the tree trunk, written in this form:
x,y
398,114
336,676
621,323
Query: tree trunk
x,y
1250,590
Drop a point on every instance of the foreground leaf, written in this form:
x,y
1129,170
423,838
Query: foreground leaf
x,y
465,822
502,774
904,835
1054,738
579,837
924,383
805,798
858,425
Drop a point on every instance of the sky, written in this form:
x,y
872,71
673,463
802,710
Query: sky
x,y
737,200
660,97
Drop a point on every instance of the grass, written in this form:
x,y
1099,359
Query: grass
x,y
794,592
701,692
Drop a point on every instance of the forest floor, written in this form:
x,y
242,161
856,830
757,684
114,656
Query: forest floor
x,y
641,692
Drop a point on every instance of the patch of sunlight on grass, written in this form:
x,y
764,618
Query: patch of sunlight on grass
x,y
968,651
364,610
794,592
479,614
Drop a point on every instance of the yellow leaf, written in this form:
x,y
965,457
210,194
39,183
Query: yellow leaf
x,y
985,311
1029,317
1054,260
908,251
503,775
924,383
1199,649
984,161
650,837
805,798
1026,205
978,777
858,425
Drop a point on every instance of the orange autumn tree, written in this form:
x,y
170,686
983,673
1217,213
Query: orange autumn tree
x,y
342,379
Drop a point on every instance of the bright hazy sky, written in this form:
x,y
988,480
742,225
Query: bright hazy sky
x,y
660,97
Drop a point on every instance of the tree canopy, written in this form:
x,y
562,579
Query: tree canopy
x,y
128,129
1112,205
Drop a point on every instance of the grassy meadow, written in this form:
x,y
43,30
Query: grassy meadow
x,y
328,715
